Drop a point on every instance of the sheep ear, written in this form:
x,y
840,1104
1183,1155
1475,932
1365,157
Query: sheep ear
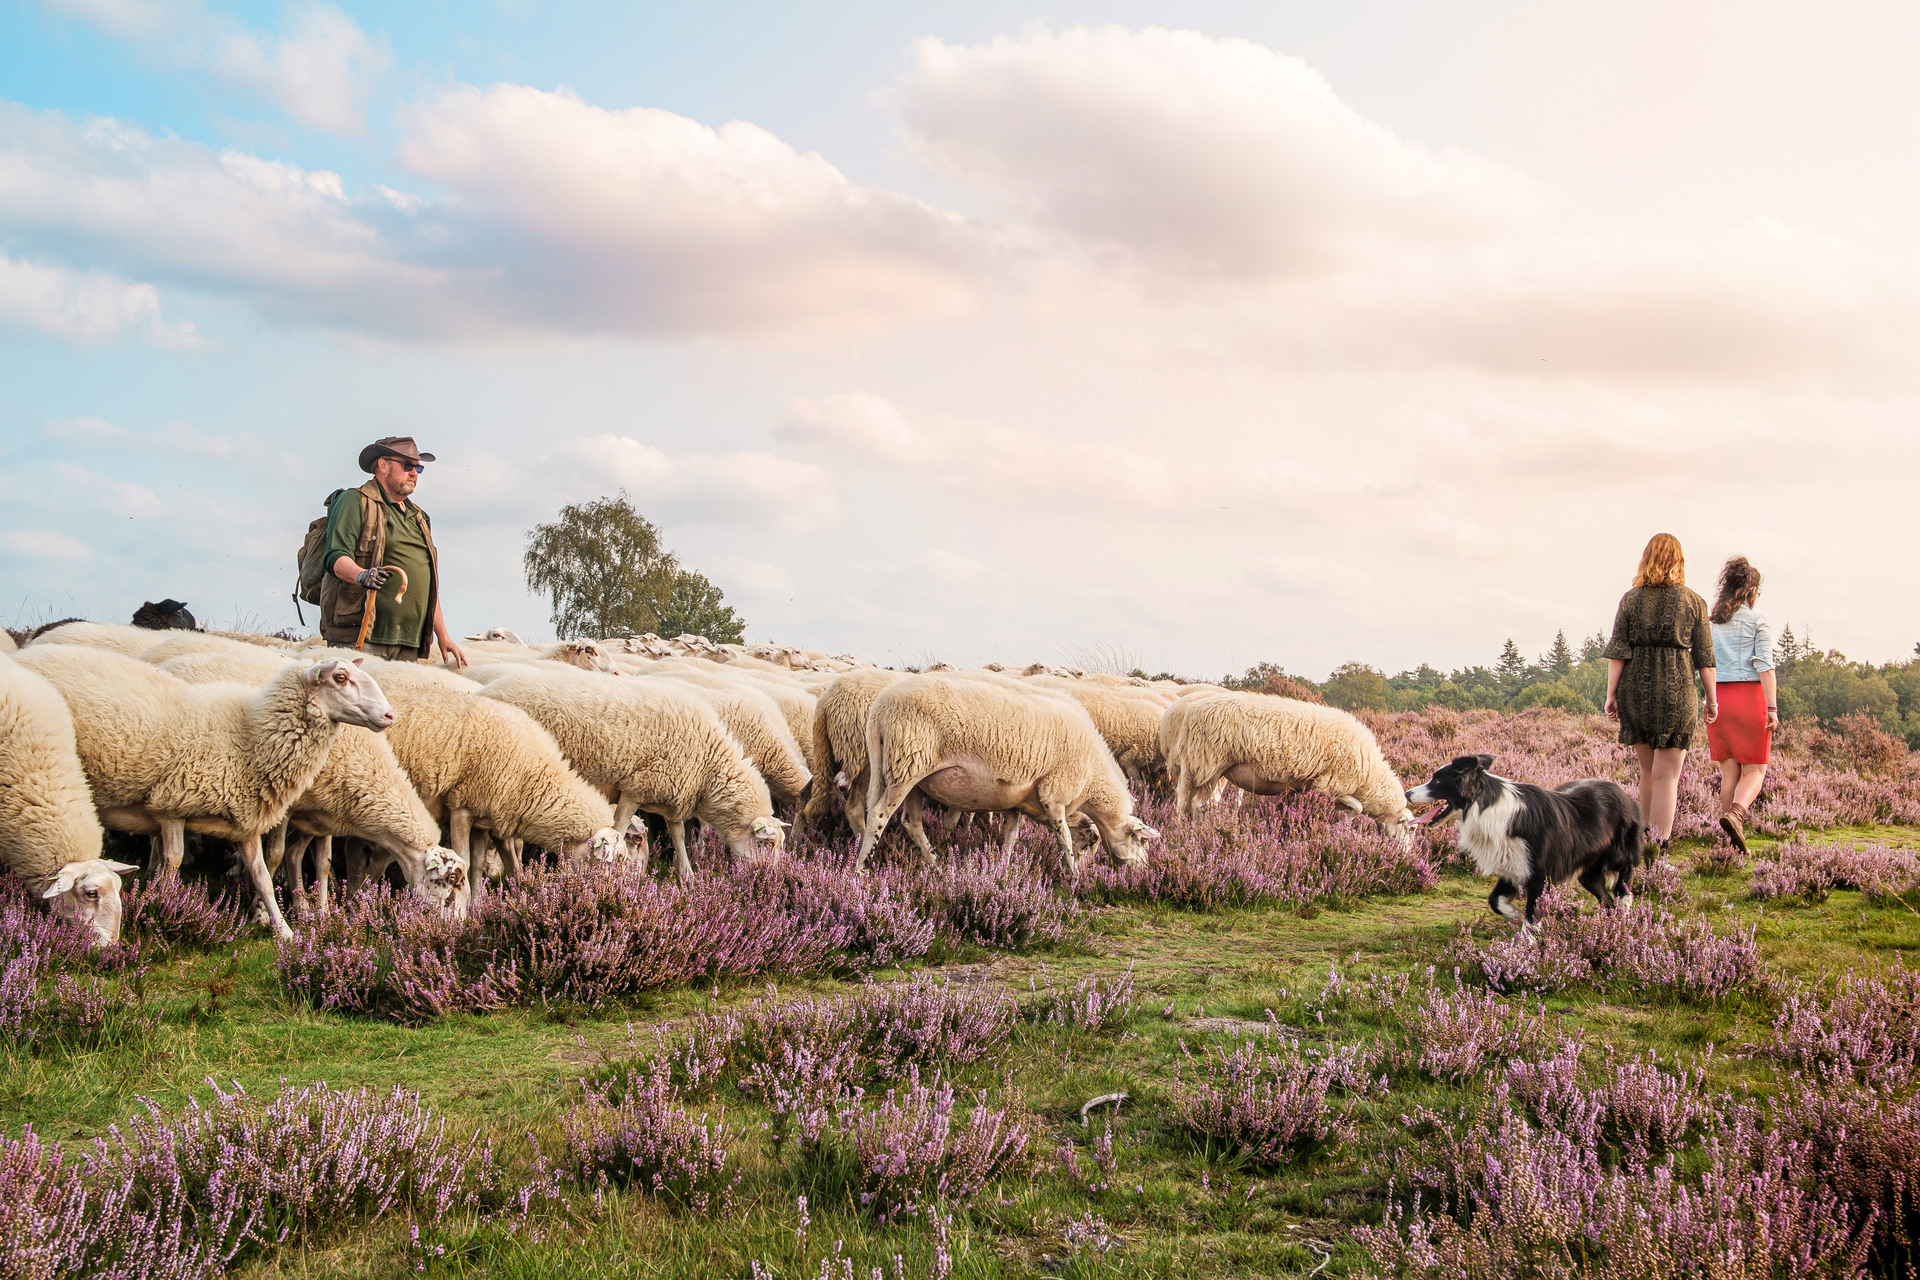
x,y
61,884
119,868
1353,803
358,661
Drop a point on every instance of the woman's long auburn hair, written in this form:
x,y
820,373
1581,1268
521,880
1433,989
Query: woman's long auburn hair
x,y
1739,585
1662,564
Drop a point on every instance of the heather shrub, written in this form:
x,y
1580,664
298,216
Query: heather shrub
x,y
986,899
915,1147
1265,849
1799,869
1638,949
1268,1106
1715,858
1858,1142
1095,1003
647,1140
51,993
1491,1196
1866,1029
171,913
1459,1033
1661,881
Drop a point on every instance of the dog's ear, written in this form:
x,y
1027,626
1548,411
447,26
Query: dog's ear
x,y
1466,764
1485,761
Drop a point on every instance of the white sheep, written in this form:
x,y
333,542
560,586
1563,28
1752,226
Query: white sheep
x,y
114,636
498,633
481,764
1172,721
839,735
361,791
653,746
982,742
6,643
1268,746
756,722
162,755
1127,718
49,834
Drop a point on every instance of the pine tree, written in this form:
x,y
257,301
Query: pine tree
x,y
1789,649
1511,669
1559,659
1593,648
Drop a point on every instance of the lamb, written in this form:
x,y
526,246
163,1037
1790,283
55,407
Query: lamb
x,y
131,641
839,734
361,790
478,763
49,835
1270,745
983,743
164,755
654,746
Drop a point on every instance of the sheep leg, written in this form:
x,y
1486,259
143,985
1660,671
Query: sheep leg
x,y
1183,792
291,865
276,850
879,809
255,862
677,828
624,811
856,803
510,854
910,818
1065,832
173,845
323,871
479,863
1011,823
461,822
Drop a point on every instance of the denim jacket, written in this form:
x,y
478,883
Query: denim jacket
x,y
1742,646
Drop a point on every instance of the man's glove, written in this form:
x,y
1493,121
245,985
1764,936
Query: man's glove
x,y
373,579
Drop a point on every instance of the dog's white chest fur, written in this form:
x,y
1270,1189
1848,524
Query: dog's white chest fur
x,y
1486,832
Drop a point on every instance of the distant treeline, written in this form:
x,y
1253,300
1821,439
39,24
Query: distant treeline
x,y
1814,684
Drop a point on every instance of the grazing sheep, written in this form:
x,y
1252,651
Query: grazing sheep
x,y
1270,745
839,735
361,790
132,641
584,654
755,720
981,743
162,755
179,644
1127,719
478,763
654,746
498,633
49,835
1172,721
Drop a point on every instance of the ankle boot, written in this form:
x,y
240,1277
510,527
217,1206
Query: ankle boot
x,y
1734,823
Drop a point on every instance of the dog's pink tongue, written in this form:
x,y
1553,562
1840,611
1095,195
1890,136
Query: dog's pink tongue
x,y
1438,813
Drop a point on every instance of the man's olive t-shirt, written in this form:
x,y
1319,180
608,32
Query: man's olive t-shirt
x,y
406,622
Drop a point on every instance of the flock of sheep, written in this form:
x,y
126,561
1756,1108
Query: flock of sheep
x,y
449,775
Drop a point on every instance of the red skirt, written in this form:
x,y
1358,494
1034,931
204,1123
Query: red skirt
x,y
1740,734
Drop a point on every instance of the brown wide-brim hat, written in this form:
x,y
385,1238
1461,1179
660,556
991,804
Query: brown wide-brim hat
x,y
391,447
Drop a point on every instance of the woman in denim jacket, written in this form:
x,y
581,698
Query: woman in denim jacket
x,y
1741,739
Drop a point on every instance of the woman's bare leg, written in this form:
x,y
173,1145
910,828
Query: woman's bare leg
x,y
1752,776
1659,787
1729,783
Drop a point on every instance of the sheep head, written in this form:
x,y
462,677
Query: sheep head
x,y
762,840
348,695
587,656
1130,844
89,893
444,880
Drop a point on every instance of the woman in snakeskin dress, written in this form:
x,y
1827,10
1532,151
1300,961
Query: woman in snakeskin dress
x,y
1660,638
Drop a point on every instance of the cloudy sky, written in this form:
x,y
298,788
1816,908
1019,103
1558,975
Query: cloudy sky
x,y
1206,332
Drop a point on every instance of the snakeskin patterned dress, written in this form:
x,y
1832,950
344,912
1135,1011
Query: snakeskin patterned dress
x,y
1663,636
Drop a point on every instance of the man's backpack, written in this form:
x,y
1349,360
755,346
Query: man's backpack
x,y
313,556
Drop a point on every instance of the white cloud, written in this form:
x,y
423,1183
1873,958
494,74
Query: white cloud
x,y
1008,466
117,497
949,569
1217,154
751,488
84,306
320,69
645,221
45,544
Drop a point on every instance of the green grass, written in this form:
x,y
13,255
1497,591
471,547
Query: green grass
x,y
1178,1209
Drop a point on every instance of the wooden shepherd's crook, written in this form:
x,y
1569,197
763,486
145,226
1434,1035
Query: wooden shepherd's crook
x,y
366,615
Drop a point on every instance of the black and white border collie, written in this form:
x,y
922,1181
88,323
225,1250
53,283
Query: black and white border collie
x,y
1531,837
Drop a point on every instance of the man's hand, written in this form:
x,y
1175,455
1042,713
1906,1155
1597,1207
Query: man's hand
x,y
373,579
454,654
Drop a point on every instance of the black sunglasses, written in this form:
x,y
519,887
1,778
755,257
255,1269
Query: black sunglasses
x,y
415,467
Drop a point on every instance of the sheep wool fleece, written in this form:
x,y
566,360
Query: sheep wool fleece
x,y
46,811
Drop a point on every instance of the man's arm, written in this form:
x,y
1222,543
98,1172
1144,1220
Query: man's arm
x,y
447,646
